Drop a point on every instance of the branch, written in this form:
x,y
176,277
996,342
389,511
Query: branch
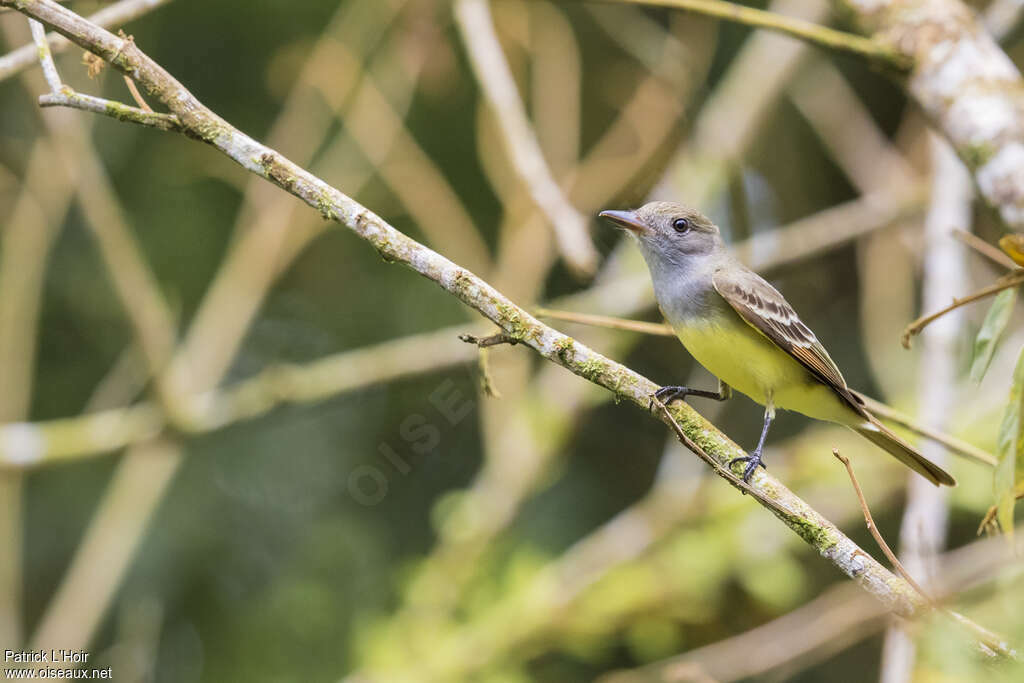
x,y
816,631
965,84
657,329
954,444
30,444
985,249
989,640
134,282
873,528
117,14
807,31
66,97
394,246
1006,282
492,340
45,56
473,18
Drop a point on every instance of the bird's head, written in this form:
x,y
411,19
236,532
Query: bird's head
x,y
668,233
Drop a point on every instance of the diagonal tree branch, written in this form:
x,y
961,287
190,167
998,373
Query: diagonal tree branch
x,y
394,246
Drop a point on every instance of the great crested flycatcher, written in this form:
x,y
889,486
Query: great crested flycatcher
x,y
744,332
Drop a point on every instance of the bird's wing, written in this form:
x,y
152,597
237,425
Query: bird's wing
x,y
764,308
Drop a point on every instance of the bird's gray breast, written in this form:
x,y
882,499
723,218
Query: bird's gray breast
x,y
687,294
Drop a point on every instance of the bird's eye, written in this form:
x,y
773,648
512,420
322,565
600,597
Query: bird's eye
x,y
681,225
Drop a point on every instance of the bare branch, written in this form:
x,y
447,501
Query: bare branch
x,y
873,528
492,340
658,329
985,249
954,444
990,640
137,96
45,57
495,78
790,26
1006,282
115,15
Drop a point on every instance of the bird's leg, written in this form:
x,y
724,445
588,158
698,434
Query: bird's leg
x,y
755,459
667,394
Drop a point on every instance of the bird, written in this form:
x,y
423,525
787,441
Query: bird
x,y
743,331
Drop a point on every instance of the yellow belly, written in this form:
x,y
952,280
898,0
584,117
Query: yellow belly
x,y
749,362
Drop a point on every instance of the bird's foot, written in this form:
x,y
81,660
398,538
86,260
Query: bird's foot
x,y
753,461
668,394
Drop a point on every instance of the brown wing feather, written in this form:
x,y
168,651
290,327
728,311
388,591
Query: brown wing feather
x,y
765,309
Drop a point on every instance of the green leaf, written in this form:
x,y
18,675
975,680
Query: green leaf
x,y
991,330
1010,451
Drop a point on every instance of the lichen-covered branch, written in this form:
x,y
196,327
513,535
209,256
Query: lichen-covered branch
x,y
965,83
394,246
66,97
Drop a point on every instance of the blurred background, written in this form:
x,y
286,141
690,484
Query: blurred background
x,y
369,499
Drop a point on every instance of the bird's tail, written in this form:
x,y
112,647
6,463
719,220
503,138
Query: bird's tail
x,y
879,434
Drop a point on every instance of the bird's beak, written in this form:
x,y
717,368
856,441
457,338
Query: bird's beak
x,y
624,219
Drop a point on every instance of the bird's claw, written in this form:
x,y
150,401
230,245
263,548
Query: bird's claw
x,y
753,461
668,394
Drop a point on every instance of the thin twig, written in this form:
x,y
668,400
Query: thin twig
x,y
492,340
644,327
875,533
122,112
1006,282
797,28
136,95
985,249
45,56
995,643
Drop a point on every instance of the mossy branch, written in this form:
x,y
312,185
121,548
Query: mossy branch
x,y
198,121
